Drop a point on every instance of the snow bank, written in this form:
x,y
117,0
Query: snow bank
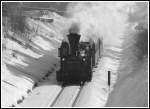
x,y
29,58
96,93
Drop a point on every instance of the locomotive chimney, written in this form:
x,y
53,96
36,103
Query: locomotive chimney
x,y
74,38
74,42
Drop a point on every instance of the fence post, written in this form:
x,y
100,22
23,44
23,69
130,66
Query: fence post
x,y
109,79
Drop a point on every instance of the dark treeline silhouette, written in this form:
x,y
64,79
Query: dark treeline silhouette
x,y
141,44
13,11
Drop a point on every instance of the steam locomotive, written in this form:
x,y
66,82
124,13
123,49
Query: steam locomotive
x,y
77,59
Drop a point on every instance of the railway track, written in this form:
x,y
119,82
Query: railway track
x,y
67,96
77,97
52,104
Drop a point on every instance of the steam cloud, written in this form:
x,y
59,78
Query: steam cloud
x,y
74,28
112,21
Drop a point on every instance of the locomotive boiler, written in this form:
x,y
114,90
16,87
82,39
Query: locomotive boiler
x,y
77,59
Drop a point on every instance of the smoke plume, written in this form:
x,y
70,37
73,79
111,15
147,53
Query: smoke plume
x,y
110,21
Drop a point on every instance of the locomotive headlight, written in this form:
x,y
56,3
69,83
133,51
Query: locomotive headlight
x,y
83,59
63,59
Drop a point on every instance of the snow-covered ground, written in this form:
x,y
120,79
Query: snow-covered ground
x,y
96,93
23,66
131,90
